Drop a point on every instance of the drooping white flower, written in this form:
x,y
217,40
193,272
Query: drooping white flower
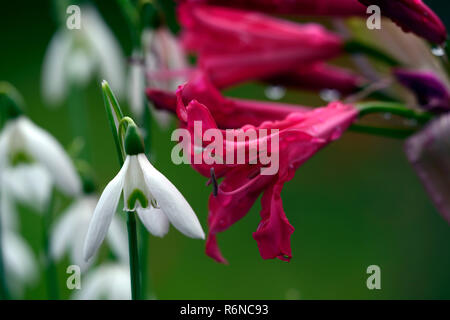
x,y
70,230
109,281
163,64
23,144
20,263
74,56
29,184
145,190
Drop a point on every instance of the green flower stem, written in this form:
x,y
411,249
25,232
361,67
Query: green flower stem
x,y
115,115
4,294
397,109
49,264
358,47
134,256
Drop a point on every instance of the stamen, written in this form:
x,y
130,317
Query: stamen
x,y
214,182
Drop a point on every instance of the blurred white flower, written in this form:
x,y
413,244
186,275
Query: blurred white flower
x,y
156,200
30,158
70,230
20,263
109,281
74,56
164,66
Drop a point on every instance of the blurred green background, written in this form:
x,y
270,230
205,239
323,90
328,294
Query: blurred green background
x,y
356,203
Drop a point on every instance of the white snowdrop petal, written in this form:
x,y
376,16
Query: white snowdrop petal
x,y
44,148
171,201
30,184
64,231
104,212
106,48
154,220
19,260
118,240
54,82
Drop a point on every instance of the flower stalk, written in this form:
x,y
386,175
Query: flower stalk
x,y
114,114
50,267
134,256
4,294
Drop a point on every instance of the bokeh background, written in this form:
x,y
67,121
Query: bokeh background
x,y
356,203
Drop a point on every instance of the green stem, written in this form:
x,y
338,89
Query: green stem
x,y
50,268
4,294
357,47
422,117
134,256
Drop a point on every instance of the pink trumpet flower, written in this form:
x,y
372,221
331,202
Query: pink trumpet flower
x,y
235,45
335,8
413,16
227,112
320,76
299,135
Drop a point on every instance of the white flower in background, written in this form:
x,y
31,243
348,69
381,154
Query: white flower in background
x,y
27,183
30,158
109,281
164,66
20,263
70,230
156,200
74,56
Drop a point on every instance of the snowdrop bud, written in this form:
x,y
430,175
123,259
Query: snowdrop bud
x,y
133,141
10,100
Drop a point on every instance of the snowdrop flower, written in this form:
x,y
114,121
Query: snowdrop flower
x,y
109,281
20,263
30,158
156,200
70,231
73,56
29,184
163,64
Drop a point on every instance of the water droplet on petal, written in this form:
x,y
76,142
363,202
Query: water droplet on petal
x,y
330,95
438,51
275,92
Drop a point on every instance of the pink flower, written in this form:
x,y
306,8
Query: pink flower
x,y
227,113
235,45
342,8
320,76
300,136
428,152
413,16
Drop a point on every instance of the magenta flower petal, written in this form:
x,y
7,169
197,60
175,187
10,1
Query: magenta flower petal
x,y
428,152
236,46
300,135
413,16
320,76
432,94
335,8
228,113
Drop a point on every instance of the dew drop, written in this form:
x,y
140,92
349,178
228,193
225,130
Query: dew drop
x,y
275,92
329,95
438,51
